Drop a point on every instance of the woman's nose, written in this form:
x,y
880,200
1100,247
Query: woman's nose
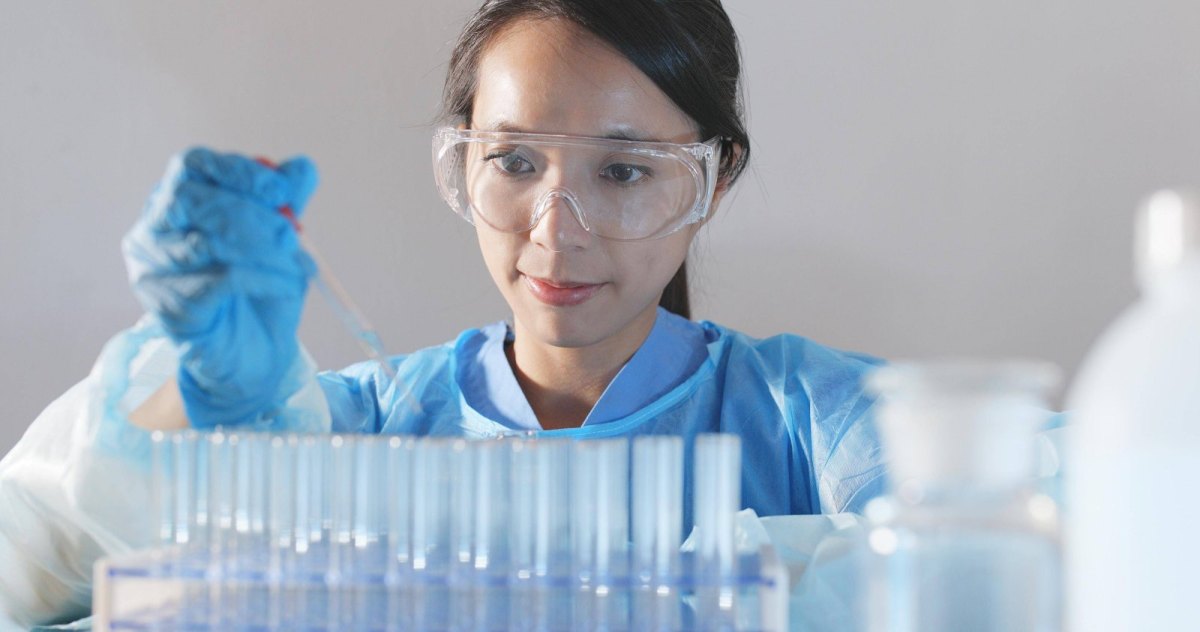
x,y
560,224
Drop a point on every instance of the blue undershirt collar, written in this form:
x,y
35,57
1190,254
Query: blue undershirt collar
x,y
672,352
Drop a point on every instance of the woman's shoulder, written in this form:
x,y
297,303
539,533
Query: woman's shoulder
x,y
809,372
364,397
429,359
787,351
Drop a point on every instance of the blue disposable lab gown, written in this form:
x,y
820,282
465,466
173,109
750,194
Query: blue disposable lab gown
x,y
75,487
808,445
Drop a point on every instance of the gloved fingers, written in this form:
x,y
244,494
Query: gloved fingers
x,y
195,304
170,260
153,253
235,173
229,374
290,184
186,304
230,227
173,287
287,279
218,357
301,174
155,257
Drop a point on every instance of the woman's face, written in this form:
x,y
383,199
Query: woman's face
x,y
567,287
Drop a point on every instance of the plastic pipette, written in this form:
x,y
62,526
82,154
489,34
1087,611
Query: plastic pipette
x,y
338,299
347,311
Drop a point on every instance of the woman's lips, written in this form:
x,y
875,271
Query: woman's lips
x,y
560,293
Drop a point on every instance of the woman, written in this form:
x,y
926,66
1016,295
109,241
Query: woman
x,y
590,142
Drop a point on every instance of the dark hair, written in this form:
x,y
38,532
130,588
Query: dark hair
x,y
688,48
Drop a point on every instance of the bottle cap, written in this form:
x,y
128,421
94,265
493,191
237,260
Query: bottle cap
x,y
1167,232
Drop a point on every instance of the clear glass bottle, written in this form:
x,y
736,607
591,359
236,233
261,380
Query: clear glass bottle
x,y
964,541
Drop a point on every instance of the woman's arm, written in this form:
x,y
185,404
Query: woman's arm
x,y
163,410
73,488
76,486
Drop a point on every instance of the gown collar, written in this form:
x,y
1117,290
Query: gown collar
x,y
672,352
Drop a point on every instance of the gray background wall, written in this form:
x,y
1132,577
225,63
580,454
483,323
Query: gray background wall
x,y
930,177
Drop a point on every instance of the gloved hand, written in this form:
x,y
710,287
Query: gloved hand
x,y
222,269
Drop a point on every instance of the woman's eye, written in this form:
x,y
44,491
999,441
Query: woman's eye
x,y
509,162
624,174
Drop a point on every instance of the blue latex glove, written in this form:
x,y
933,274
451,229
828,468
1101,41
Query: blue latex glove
x,y
222,269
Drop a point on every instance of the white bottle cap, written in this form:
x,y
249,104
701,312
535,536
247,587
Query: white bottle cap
x,y
1167,232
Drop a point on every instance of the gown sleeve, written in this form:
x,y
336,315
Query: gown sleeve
x,y
354,396
76,486
847,457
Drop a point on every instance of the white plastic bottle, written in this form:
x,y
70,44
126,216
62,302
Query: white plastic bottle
x,y
1133,461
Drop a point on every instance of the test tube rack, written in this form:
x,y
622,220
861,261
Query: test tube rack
x,y
362,532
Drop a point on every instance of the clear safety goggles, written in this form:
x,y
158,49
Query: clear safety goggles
x,y
617,189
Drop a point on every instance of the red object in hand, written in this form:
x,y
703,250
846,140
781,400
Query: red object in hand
x,y
284,210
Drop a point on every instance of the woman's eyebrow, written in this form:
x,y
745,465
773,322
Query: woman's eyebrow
x,y
624,132
619,132
504,126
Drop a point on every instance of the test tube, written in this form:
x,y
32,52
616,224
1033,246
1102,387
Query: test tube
x,y
492,482
370,493
490,555
540,496
600,532
657,508
399,572
307,595
399,481
339,492
430,533
219,514
162,481
249,559
657,528
250,508
462,463
356,502
541,545
600,508
285,485
166,483
553,544
220,494
718,470
523,533
461,500
182,486
370,513
430,480
718,476
191,521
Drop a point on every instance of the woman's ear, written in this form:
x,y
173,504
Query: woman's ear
x,y
724,182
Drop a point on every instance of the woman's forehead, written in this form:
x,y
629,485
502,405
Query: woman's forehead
x,y
551,76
